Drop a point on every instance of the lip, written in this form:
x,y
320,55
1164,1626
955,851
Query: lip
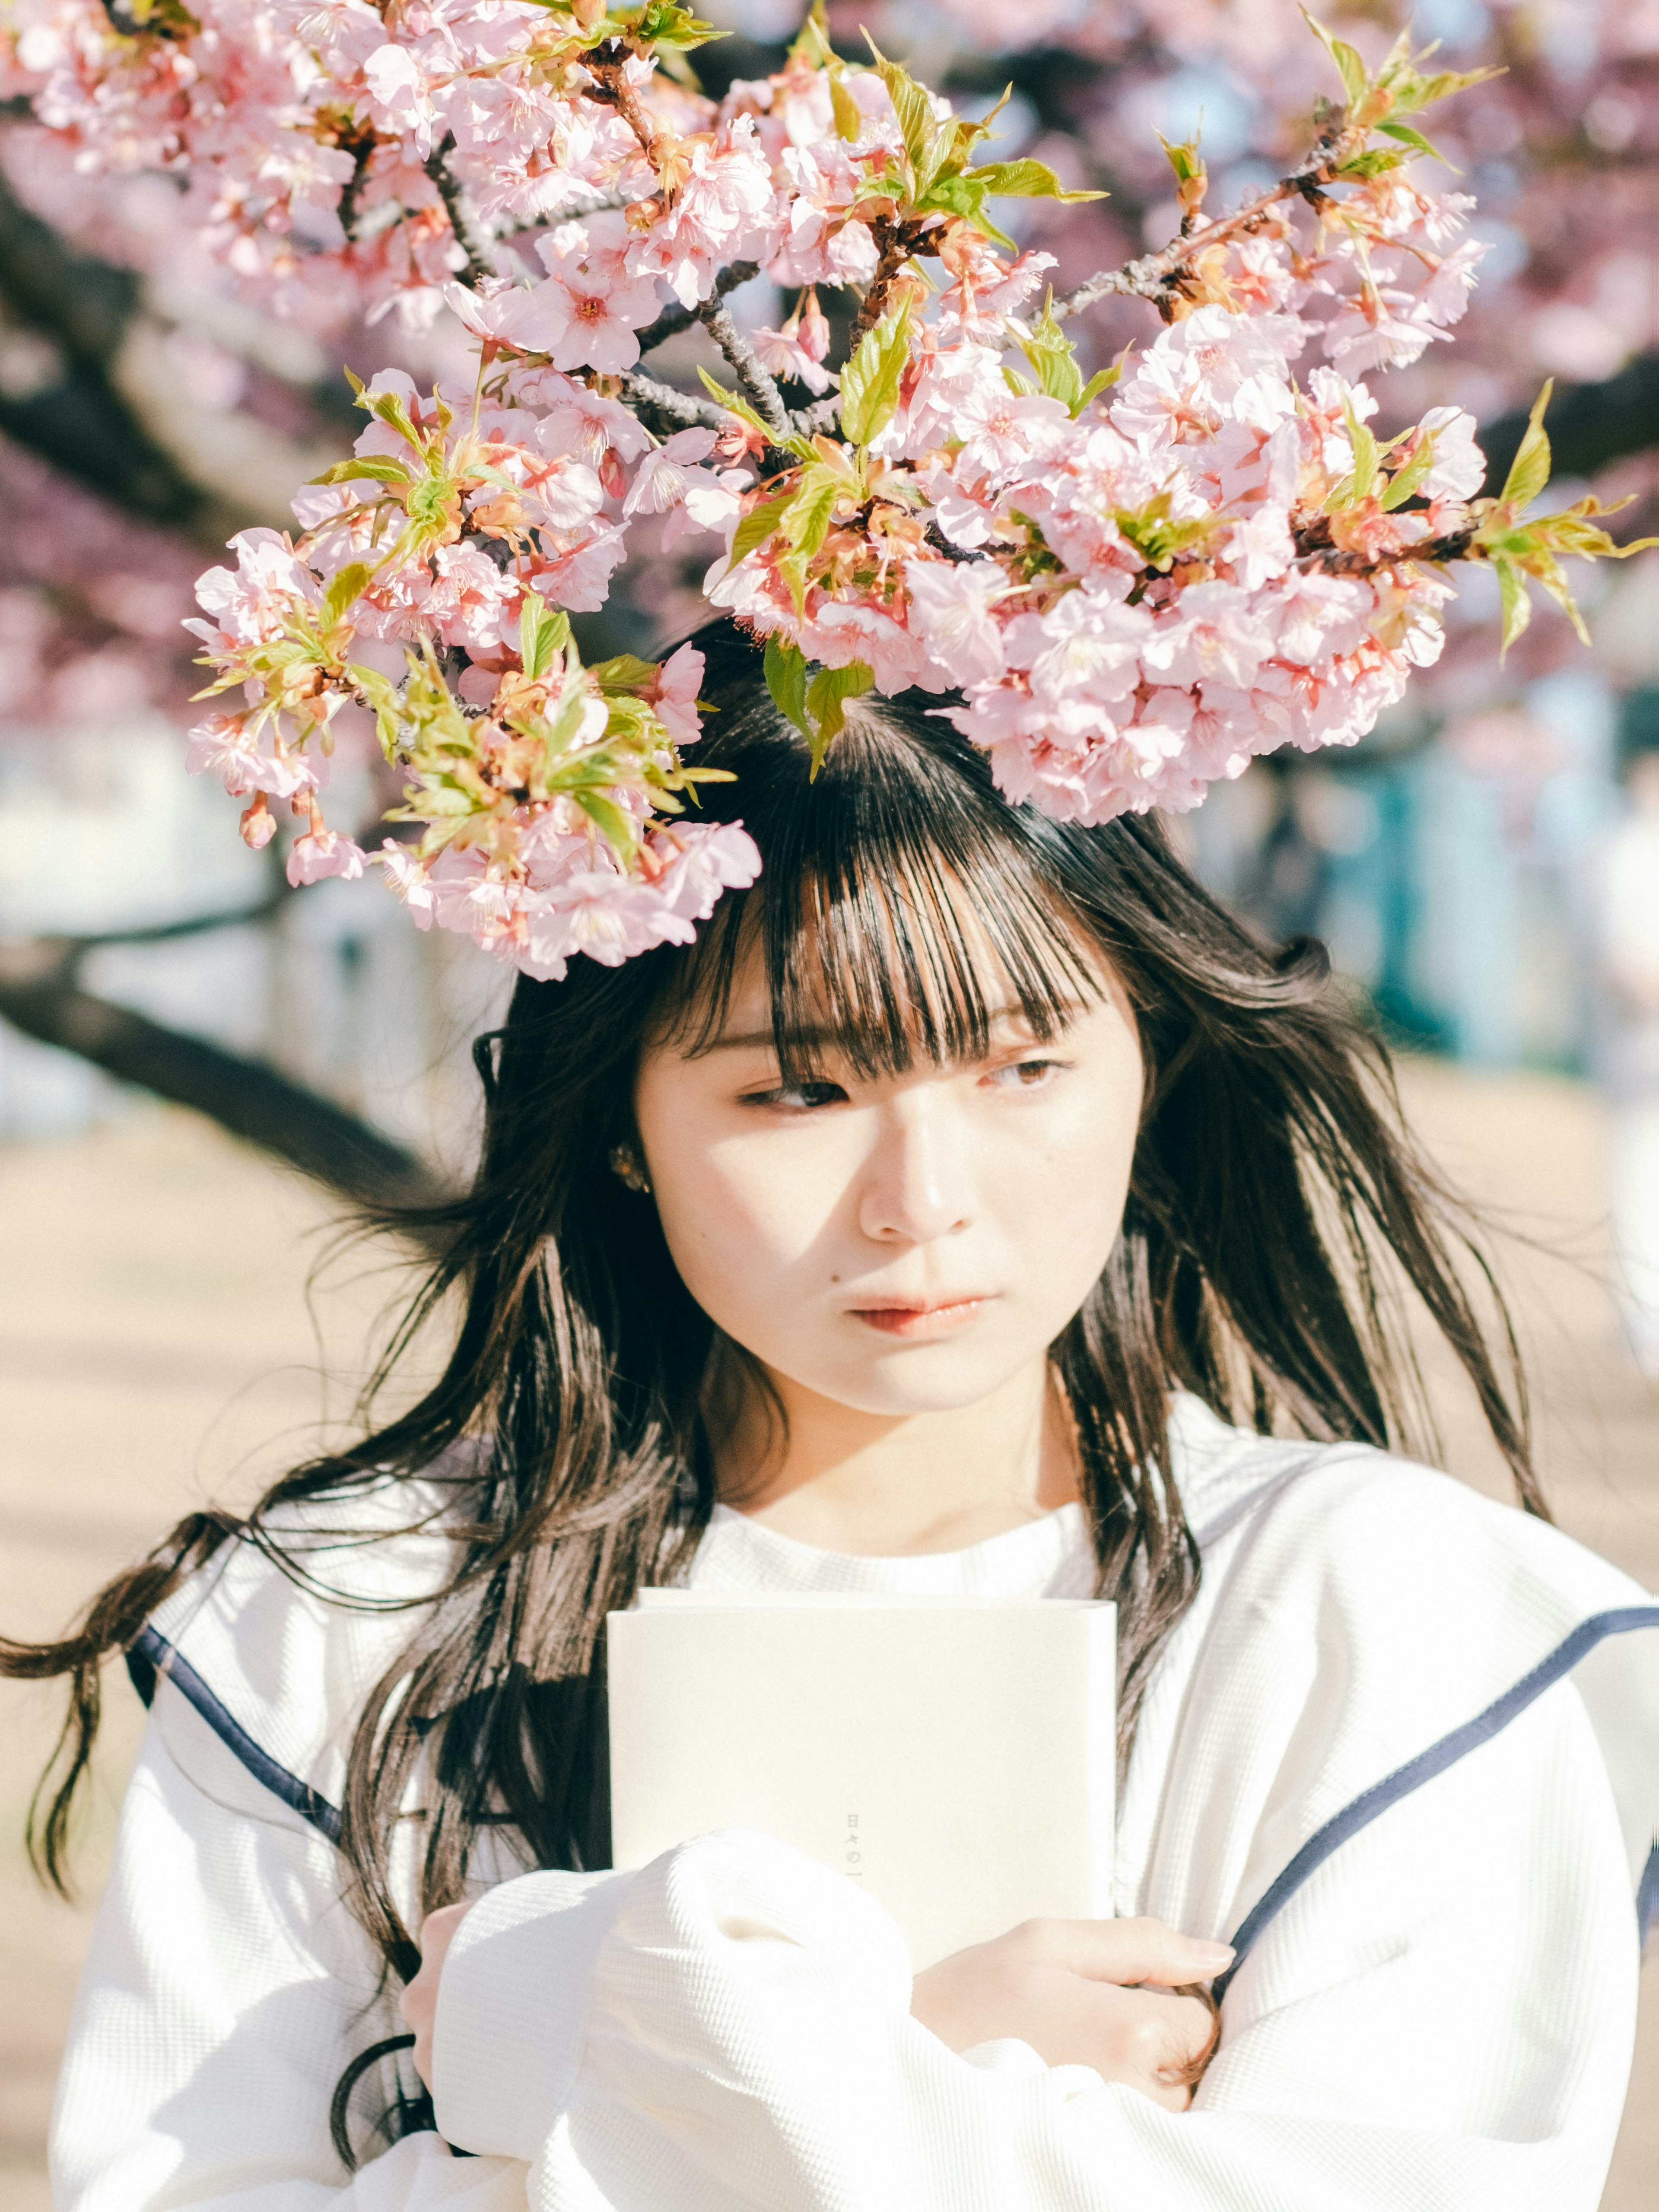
x,y
921,1324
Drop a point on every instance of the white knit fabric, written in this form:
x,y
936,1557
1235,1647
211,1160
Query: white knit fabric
x,y
1441,2017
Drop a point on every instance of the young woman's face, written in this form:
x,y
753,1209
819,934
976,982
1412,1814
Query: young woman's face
x,y
901,1244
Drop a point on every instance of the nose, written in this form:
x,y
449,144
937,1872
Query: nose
x,y
916,1184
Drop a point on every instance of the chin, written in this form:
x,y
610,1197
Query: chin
x,y
922,1379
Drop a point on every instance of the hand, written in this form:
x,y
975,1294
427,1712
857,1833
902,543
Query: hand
x,y
419,2002
1100,1993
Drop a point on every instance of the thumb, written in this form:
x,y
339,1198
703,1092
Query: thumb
x,y
1130,1951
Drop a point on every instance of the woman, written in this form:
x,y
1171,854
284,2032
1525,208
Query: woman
x,y
924,1228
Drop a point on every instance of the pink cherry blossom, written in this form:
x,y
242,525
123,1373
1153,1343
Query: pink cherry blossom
x,y
666,474
951,608
324,853
678,683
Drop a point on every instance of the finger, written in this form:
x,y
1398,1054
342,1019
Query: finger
x,y
1126,1951
1152,2044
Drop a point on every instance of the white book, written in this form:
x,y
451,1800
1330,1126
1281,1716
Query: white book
x,y
953,1755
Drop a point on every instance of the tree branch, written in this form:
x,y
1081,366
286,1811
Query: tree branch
x,y
672,320
658,404
473,242
76,418
823,415
1155,276
40,995
760,391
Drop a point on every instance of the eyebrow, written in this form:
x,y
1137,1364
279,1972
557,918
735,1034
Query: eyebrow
x,y
809,1040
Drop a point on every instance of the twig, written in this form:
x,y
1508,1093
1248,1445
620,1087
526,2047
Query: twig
x,y
822,415
762,393
472,242
673,320
1155,276
678,409
898,242
361,149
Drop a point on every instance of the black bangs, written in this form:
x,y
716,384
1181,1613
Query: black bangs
x,y
894,887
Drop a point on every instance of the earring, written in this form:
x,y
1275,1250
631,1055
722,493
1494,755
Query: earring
x,y
624,1165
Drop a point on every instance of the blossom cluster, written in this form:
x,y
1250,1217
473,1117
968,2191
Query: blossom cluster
x,y
1133,583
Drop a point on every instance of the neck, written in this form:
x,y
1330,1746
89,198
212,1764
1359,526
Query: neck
x,y
892,1486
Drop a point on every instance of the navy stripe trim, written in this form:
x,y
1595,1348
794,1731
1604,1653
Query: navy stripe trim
x,y
1372,1803
1647,1897
156,1657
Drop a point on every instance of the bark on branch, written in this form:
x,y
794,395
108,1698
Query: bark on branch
x,y
472,240
40,995
657,404
1156,276
762,394
673,320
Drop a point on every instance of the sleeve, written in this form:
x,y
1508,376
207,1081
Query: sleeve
x,y
1442,2021
226,1990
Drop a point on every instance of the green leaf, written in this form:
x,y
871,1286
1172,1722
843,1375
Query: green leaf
x,y
1102,381
1053,357
381,469
1404,482
869,382
542,631
1375,161
349,584
1417,142
615,827
736,405
792,567
806,520
1185,159
624,671
912,106
1350,64
660,24
849,118
826,703
812,42
1512,597
1017,382
1366,461
758,525
785,680
1548,570
1529,472
1026,180
962,196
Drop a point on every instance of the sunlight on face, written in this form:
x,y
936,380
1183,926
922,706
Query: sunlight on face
x,y
901,1244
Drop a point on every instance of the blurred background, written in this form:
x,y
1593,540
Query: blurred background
x,y
1484,867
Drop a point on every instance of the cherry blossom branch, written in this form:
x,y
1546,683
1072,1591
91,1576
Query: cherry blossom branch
x,y
1155,276
658,402
896,243
361,150
673,320
479,264
762,392
822,415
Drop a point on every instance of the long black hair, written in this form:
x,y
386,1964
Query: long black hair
x,y
1279,1216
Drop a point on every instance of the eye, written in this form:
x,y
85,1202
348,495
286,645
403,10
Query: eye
x,y
1025,1074
797,1098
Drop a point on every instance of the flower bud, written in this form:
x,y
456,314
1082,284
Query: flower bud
x,y
257,824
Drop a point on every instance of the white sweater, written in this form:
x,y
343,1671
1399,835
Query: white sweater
x,y
1367,1757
